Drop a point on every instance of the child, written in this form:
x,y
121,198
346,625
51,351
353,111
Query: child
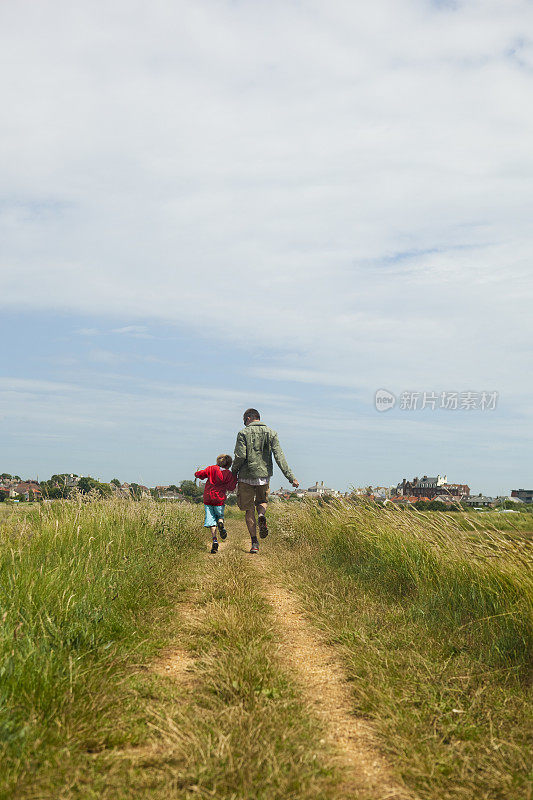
x,y
219,481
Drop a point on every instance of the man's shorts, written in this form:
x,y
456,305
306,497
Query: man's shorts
x,y
212,515
248,496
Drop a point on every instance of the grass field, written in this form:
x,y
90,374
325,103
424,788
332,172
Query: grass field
x,y
135,665
80,586
433,617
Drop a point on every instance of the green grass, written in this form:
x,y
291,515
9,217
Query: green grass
x,y
521,523
92,594
430,613
80,585
475,584
244,732
434,623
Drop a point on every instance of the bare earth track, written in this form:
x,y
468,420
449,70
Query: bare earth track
x,y
320,675
316,669
325,688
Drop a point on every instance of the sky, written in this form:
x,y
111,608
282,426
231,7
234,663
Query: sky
x,y
211,205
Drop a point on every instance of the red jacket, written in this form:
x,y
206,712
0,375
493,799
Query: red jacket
x,y
219,481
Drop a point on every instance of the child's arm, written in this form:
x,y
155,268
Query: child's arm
x,y
202,474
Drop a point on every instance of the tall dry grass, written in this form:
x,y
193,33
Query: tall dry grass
x,y
78,581
474,583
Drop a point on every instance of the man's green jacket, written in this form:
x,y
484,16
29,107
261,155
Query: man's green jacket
x,y
254,448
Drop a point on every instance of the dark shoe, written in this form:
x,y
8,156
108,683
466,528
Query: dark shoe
x,y
221,529
263,529
214,547
255,546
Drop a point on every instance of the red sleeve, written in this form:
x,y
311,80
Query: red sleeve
x,y
202,474
215,475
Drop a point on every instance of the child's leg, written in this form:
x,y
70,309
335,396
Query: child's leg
x,y
210,522
220,523
214,543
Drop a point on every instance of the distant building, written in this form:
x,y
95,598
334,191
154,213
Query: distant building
x,y
319,489
29,490
456,490
121,491
525,495
279,494
71,480
502,498
383,492
445,498
431,487
479,501
408,499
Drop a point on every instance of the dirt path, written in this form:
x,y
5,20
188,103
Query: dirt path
x,y
318,670
302,652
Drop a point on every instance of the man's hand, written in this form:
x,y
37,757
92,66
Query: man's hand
x,y
295,483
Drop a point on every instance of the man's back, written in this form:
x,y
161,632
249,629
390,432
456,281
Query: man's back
x,y
255,446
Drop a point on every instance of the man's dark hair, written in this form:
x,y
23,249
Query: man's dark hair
x,y
250,414
224,461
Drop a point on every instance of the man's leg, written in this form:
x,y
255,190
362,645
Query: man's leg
x,y
246,502
249,516
250,522
262,492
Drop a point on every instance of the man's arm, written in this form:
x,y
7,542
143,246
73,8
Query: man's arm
x,y
281,461
240,453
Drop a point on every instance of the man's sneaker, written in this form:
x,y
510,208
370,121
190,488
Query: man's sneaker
x,y
221,529
255,546
214,547
263,529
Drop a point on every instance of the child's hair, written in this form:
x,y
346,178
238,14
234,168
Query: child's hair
x,y
224,461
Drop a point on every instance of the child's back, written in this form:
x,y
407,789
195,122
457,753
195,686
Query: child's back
x,y
219,482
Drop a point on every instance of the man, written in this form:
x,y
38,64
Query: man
x,y
255,446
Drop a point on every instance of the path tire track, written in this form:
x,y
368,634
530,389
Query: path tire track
x,y
319,672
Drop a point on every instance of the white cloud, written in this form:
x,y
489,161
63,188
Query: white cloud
x,y
101,356
136,331
95,400
347,182
87,331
